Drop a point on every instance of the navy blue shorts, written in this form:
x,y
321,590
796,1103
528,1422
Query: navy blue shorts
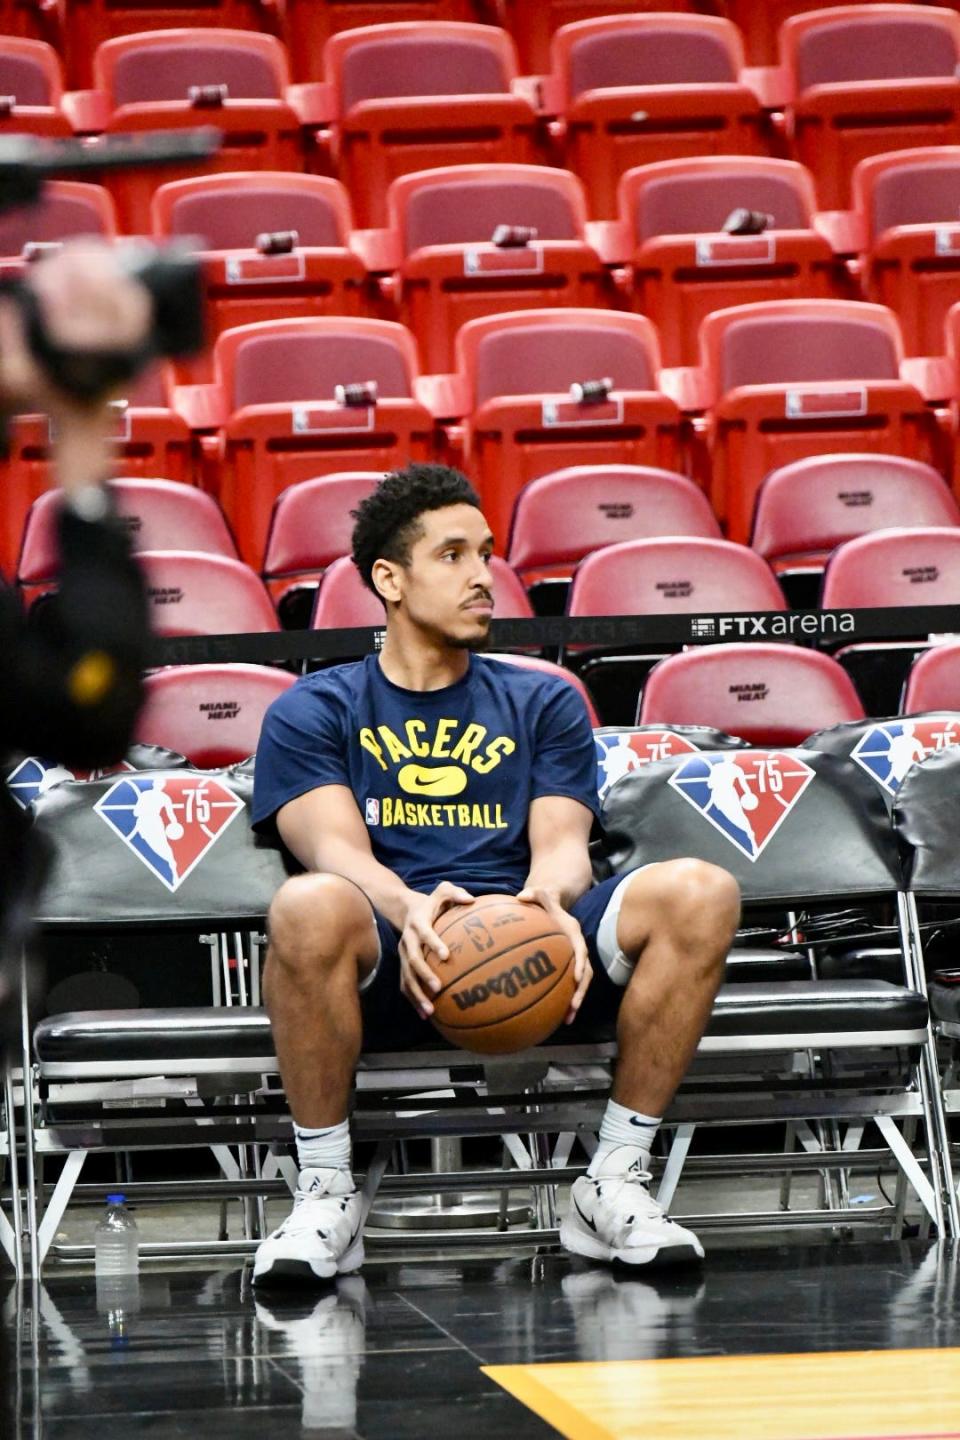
x,y
391,1023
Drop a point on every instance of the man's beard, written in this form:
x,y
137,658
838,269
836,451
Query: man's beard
x,y
476,644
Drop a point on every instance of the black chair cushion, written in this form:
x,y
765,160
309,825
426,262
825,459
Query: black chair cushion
x,y
791,1007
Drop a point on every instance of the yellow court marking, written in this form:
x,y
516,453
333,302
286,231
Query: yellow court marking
x,y
838,1395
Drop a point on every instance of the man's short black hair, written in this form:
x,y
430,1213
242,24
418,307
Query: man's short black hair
x,y
387,521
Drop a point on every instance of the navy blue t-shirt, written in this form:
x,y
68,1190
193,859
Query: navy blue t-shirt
x,y
443,778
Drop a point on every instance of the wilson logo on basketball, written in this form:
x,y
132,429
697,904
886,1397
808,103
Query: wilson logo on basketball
x,y
532,971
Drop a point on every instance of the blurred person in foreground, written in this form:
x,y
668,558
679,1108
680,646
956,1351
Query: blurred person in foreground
x,y
71,677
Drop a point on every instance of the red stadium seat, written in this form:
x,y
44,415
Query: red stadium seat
x,y
191,593
308,267
565,516
512,385
896,567
86,24
68,209
343,600
150,439
534,25
414,96
864,79
806,509
28,19
631,89
683,265
766,694
31,89
311,526
934,681
157,515
309,24
792,378
177,79
439,243
547,667
673,575
908,207
212,714
271,416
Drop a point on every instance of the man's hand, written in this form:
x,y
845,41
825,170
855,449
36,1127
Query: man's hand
x,y
417,977
564,921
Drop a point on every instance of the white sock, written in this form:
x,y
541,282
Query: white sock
x,y
627,1132
327,1149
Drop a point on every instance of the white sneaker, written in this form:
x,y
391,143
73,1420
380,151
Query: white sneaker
x,y
326,1338
613,1216
321,1237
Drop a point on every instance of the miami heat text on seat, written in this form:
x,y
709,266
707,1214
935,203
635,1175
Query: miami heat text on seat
x,y
768,694
293,399
210,713
191,593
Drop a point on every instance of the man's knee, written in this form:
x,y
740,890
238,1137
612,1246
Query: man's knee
x,y
694,903
318,919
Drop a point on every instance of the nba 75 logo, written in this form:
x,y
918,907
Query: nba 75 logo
x,y
169,821
34,776
887,751
745,794
620,754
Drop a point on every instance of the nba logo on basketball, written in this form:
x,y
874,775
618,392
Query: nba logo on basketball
x,y
745,794
621,754
888,751
169,821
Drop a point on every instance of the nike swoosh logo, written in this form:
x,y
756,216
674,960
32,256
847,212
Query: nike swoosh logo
x,y
585,1218
446,780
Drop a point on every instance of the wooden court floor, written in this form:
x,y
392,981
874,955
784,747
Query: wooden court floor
x,y
845,1395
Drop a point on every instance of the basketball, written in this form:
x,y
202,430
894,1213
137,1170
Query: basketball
x,y
750,802
509,980
174,830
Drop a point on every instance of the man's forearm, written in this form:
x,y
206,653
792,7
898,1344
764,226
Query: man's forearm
x,y
564,871
385,890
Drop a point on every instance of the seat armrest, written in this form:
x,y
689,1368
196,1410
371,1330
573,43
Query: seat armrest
x,y
203,407
531,89
378,250
769,83
445,396
611,239
87,110
312,103
845,231
687,386
935,376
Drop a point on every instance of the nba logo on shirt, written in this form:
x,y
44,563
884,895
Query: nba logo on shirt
x,y
887,751
745,794
373,812
621,754
169,821
33,777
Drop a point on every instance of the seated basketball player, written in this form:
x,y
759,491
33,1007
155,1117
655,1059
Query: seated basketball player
x,y
419,778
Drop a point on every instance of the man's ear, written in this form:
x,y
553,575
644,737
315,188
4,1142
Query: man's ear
x,y
386,580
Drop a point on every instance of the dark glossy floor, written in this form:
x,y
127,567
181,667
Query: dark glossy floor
x,y
396,1355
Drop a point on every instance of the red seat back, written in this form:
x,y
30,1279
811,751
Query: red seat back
x,y
895,567
641,50
775,350
164,64
379,62
908,187
934,681
818,503
157,515
843,47
229,211
766,694
68,208
695,196
547,667
464,204
312,525
282,362
668,574
30,72
212,714
197,594
564,516
546,352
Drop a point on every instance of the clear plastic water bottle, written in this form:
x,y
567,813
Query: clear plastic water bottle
x,y
116,1240
116,1246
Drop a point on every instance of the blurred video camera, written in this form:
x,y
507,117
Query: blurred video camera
x,y
171,275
